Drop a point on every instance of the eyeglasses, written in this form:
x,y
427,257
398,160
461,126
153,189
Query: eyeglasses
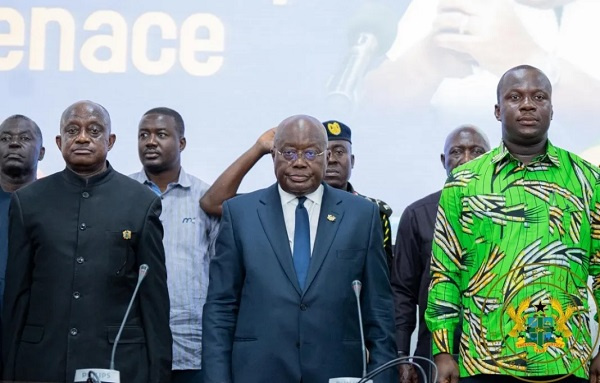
x,y
292,155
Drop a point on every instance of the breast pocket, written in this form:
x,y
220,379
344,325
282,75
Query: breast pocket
x,y
568,223
119,249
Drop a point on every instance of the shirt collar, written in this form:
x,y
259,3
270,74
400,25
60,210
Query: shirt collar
x,y
551,154
315,197
74,178
183,180
350,189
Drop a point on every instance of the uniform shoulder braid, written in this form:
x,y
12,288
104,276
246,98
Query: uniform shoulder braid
x,y
384,208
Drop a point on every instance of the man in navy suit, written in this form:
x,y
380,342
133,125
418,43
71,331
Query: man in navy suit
x,y
280,307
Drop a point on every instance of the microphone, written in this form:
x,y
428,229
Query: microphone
x,y
356,287
371,33
110,375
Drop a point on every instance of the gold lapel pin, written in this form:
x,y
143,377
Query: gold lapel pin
x,y
126,234
330,217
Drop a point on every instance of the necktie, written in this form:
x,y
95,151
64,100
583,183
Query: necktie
x,y
301,252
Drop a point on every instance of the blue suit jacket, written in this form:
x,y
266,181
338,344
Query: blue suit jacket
x,y
260,327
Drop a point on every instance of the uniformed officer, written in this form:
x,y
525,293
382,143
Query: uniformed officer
x,y
339,170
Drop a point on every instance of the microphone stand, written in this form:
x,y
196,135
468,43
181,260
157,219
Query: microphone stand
x,y
398,361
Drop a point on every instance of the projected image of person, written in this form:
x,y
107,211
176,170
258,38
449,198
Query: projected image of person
x,y
77,240
280,305
189,233
517,235
462,47
412,252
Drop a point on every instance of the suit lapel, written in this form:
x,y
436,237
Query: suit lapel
x,y
330,218
270,214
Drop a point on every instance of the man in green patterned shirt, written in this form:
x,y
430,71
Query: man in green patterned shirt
x,y
516,237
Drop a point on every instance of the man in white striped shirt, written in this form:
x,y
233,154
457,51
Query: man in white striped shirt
x,y
189,234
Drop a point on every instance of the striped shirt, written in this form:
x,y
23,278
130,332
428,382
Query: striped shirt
x,y
513,247
189,244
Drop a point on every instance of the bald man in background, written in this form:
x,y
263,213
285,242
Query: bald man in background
x,y
410,274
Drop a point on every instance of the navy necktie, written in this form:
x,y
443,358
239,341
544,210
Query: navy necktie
x,y
301,252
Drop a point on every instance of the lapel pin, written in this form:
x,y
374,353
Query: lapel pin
x,y
126,234
330,217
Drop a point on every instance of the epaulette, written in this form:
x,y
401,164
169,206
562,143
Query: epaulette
x,y
383,207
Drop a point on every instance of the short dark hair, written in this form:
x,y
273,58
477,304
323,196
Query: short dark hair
x,y
36,128
179,125
518,67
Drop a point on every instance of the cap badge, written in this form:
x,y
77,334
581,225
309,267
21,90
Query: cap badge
x,y
334,128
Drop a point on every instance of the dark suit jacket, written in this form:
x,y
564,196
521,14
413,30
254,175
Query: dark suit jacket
x,y
260,327
71,272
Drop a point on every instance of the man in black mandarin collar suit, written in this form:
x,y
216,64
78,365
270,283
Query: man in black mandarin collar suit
x,y
261,324
77,239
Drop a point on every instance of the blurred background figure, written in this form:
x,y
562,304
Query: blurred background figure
x,y
412,254
458,49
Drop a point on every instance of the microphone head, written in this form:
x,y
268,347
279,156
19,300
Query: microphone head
x,y
143,271
356,286
377,18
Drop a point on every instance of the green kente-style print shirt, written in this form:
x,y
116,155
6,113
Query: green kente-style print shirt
x,y
513,248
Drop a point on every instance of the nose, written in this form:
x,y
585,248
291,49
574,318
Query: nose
x,y
82,137
527,104
332,159
14,142
300,162
151,141
469,155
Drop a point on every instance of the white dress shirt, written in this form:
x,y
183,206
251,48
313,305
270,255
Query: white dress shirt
x,y
313,207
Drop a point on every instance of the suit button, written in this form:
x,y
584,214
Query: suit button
x,y
73,331
79,260
85,195
303,307
76,295
83,226
297,344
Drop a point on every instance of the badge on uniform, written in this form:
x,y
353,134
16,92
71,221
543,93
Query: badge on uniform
x,y
126,234
330,217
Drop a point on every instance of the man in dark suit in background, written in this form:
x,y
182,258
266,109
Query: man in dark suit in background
x,y
280,305
77,239
21,147
410,276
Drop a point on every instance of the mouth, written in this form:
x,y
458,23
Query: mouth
x,y
298,177
151,155
13,156
331,173
82,151
527,120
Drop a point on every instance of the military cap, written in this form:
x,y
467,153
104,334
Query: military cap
x,y
337,130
